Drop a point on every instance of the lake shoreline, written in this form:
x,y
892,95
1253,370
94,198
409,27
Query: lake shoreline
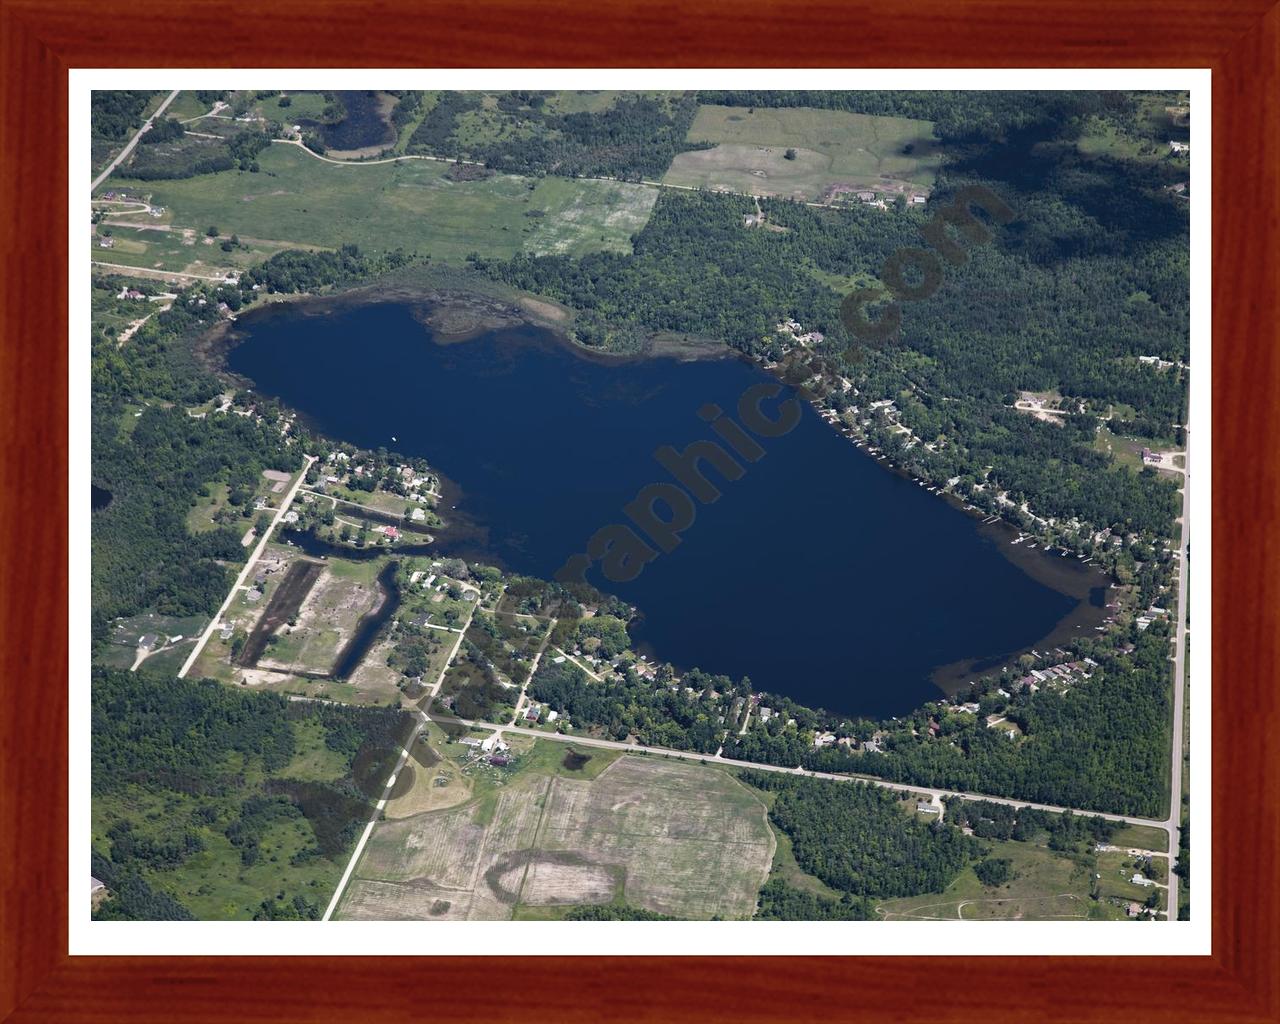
x,y
494,521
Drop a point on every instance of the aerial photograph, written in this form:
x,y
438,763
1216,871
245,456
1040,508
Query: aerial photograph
x,y
624,505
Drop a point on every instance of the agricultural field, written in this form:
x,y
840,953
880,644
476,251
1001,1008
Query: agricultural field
x,y
1046,886
832,149
679,839
297,199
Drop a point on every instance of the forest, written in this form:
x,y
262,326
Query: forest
x,y
214,761
658,716
859,839
116,113
1102,744
636,137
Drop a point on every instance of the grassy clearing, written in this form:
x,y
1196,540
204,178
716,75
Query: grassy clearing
x,y
1142,837
201,517
1045,886
831,147
410,205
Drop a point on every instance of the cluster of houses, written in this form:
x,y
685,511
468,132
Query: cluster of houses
x,y
1062,673
791,329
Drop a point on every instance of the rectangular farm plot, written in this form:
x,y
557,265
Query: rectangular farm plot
x,y
832,151
679,839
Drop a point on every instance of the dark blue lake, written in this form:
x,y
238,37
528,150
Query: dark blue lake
x,y
818,573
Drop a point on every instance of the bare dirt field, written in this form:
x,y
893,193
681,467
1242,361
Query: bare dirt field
x,y
679,839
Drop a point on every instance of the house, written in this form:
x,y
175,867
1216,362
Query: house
x,y
392,533
865,197
824,739
919,200
500,760
1142,880
1179,147
471,741
106,242
928,809
487,743
418,515
552,715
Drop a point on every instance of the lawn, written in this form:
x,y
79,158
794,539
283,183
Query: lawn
x,y
298,199
888,154
1142,837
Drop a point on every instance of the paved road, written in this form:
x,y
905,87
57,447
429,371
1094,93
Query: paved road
x,y
1174,821
248,567
395,772
935,795
133,141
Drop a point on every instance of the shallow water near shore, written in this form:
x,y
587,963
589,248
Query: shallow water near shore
x,y
818,573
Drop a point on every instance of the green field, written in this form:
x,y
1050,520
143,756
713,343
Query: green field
x,y
678,839
1142,837
831,148
301,200
1045,886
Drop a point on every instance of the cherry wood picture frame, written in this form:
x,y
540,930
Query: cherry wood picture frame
x,y
41,39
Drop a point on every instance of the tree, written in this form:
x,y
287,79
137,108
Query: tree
x,y
790,154
211,231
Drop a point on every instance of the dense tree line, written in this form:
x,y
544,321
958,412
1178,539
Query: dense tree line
x,y
1102,744
177,735
857,837
117,113
163,129
1066,831
296,270
636,137
782,902
614,912
658,716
